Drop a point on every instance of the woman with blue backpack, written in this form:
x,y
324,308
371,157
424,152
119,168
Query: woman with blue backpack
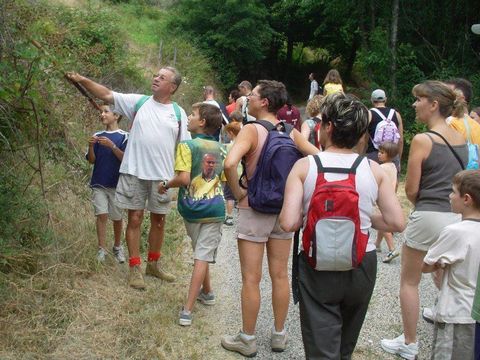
x,y
268,149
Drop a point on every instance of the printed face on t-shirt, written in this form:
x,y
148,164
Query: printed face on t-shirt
x,y
208,166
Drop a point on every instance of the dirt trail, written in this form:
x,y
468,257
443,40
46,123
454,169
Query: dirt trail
x,y
383,319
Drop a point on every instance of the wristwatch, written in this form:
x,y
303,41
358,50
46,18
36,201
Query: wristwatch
x,y
164,183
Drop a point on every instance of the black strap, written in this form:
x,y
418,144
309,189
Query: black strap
x,y
352,170
295,291
450,147
281,125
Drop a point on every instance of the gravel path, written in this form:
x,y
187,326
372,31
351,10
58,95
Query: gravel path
x,y
383,318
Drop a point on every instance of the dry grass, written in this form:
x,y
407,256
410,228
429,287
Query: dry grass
x,y
75,308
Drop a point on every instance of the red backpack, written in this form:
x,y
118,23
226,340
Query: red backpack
x,y
332,240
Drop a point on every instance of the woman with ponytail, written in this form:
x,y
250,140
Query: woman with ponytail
x,y
435,157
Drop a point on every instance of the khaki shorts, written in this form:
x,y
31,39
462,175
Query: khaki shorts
x,y
103,200
205,239
424,227
136,194
453,341
259,227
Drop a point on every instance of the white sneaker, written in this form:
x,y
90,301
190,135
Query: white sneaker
x,y
119,254
101,253
398,346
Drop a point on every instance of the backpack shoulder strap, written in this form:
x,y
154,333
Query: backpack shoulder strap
x,y
358,160
295,255
379,113
140,103
266,124
288,128
351,170
391,114
178,114
467,128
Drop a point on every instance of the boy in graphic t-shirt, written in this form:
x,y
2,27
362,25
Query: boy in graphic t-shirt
x,y
198,168
105,152
457,252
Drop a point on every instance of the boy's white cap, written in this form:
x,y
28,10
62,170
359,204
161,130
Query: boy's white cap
x,y
476,29
378,95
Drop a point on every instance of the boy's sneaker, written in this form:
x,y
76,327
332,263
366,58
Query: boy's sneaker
x,y
278,341
101,253
135,278
228,221
119,254
206,299
390,256
428,315
398,346
238,343
185,317
154,269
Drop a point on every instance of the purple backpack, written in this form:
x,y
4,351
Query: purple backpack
x,y
279,154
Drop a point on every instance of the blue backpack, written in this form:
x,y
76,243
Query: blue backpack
x,y
279,154
473,151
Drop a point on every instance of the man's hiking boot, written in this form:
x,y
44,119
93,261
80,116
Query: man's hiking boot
x,y
101,253
278,341
119,254
206,299
154,269
238,343
390,256
185,317
135,278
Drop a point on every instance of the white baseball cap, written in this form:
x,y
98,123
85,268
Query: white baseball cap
x,y
476,29
378,95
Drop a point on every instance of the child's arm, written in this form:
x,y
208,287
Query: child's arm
x,y
183,167
104,141
181,178
91,152
427,268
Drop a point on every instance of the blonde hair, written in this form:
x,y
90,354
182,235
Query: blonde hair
x,y
449,101
333,77
313,106
389,148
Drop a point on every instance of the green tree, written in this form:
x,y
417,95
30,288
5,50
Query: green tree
x,y
234,34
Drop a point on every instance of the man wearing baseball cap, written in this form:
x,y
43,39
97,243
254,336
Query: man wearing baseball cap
x,y
378,113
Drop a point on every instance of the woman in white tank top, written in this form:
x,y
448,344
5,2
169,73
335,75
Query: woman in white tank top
x,y
324,294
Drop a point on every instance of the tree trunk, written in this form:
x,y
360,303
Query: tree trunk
x,y
289,50
393,47
352,56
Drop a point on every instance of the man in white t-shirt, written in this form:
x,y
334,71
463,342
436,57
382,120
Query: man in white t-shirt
x,y
245,89
313,86
158,124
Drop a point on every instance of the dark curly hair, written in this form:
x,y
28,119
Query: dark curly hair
x,y
348,116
